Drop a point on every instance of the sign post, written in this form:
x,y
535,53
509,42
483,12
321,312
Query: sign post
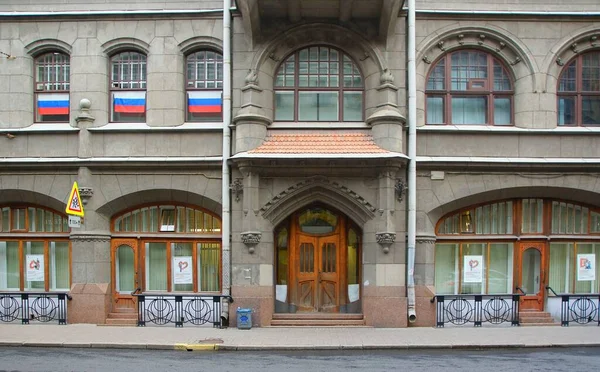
x,y
74,207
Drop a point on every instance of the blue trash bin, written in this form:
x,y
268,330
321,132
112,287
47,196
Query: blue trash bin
x,y
244,318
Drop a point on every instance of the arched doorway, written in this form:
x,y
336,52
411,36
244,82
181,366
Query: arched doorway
x,y
317,255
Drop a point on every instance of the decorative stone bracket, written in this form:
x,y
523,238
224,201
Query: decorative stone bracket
x,y
251,239
86,193
385,239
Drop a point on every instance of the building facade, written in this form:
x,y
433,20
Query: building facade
x,y
128,101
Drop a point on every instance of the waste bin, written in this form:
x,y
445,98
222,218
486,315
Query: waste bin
x,y
244,318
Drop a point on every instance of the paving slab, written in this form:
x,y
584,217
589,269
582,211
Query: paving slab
x,y
294,338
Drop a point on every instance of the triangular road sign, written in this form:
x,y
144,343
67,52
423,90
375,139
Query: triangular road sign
x,y
74,205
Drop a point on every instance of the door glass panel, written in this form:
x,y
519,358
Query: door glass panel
x,y
125,269
328,262
306,258
282,257
530,277
317,221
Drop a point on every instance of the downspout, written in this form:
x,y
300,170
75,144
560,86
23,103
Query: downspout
x,y
226,205
412,163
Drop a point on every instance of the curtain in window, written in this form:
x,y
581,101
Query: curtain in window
x,y
561,259
59,266
36,248
156,266
446,268
208,266
500,273
181,250
469,110
9,266
125,269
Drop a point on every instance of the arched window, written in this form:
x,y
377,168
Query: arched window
x,y
204,86
35,262
469,87
488,240
579,91
128,87
179,248
318,84
52,75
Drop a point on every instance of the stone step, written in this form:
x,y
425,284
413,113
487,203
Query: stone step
x,y
534,314
317,323
121,322
317,316
540,324
122,316
535,320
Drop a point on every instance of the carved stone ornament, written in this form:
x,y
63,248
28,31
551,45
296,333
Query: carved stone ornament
x,y
237,187
251,239
251,78
86,193
386,77
385,239
400,188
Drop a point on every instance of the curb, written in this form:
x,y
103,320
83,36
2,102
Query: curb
x,y
195,347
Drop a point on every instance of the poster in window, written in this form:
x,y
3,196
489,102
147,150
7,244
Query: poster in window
x,y
182,270
35,267
473,269
586,270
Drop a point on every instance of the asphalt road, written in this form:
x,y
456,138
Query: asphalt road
x,y
497,360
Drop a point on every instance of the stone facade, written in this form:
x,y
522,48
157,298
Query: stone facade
x,y
166,159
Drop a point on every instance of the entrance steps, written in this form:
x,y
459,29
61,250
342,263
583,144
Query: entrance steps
x,y
122,317
318,320
536,318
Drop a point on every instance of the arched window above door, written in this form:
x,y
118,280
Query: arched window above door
x,y
317,220
318,83
469,87
579,91
168,218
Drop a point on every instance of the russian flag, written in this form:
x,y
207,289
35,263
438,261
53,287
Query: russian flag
x,y
129,102
53,104
205,102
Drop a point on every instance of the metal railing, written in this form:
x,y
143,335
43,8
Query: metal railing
x,y
477,309
34,306
581,308
165,308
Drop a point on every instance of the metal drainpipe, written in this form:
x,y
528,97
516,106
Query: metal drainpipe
x,y
226,205
412,165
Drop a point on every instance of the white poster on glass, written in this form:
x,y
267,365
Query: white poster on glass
x,y
182,270
35,267
473,269
586,270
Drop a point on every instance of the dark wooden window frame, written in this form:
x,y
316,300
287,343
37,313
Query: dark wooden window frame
x,y
488,92
340,89
578,93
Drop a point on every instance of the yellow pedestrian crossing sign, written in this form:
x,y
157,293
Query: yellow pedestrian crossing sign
x,y
74,205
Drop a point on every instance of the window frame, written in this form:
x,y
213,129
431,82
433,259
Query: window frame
x,y
340,90
488,91
47,65
114,85
216,62
578,94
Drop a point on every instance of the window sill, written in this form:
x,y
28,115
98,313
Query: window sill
x,y
505,129
143,127
42,128
318,124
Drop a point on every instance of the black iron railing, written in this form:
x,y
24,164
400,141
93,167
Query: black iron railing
x,y
581,308
477,309
168,308
34,306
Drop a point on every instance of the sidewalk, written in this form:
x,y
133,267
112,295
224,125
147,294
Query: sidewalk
x,y
304,338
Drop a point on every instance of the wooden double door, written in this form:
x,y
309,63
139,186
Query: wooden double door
x,y
317,275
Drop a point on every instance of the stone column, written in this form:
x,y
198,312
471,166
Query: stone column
x,y
90,244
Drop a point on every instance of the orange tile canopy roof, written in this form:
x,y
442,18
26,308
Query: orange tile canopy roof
x,y
321,142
